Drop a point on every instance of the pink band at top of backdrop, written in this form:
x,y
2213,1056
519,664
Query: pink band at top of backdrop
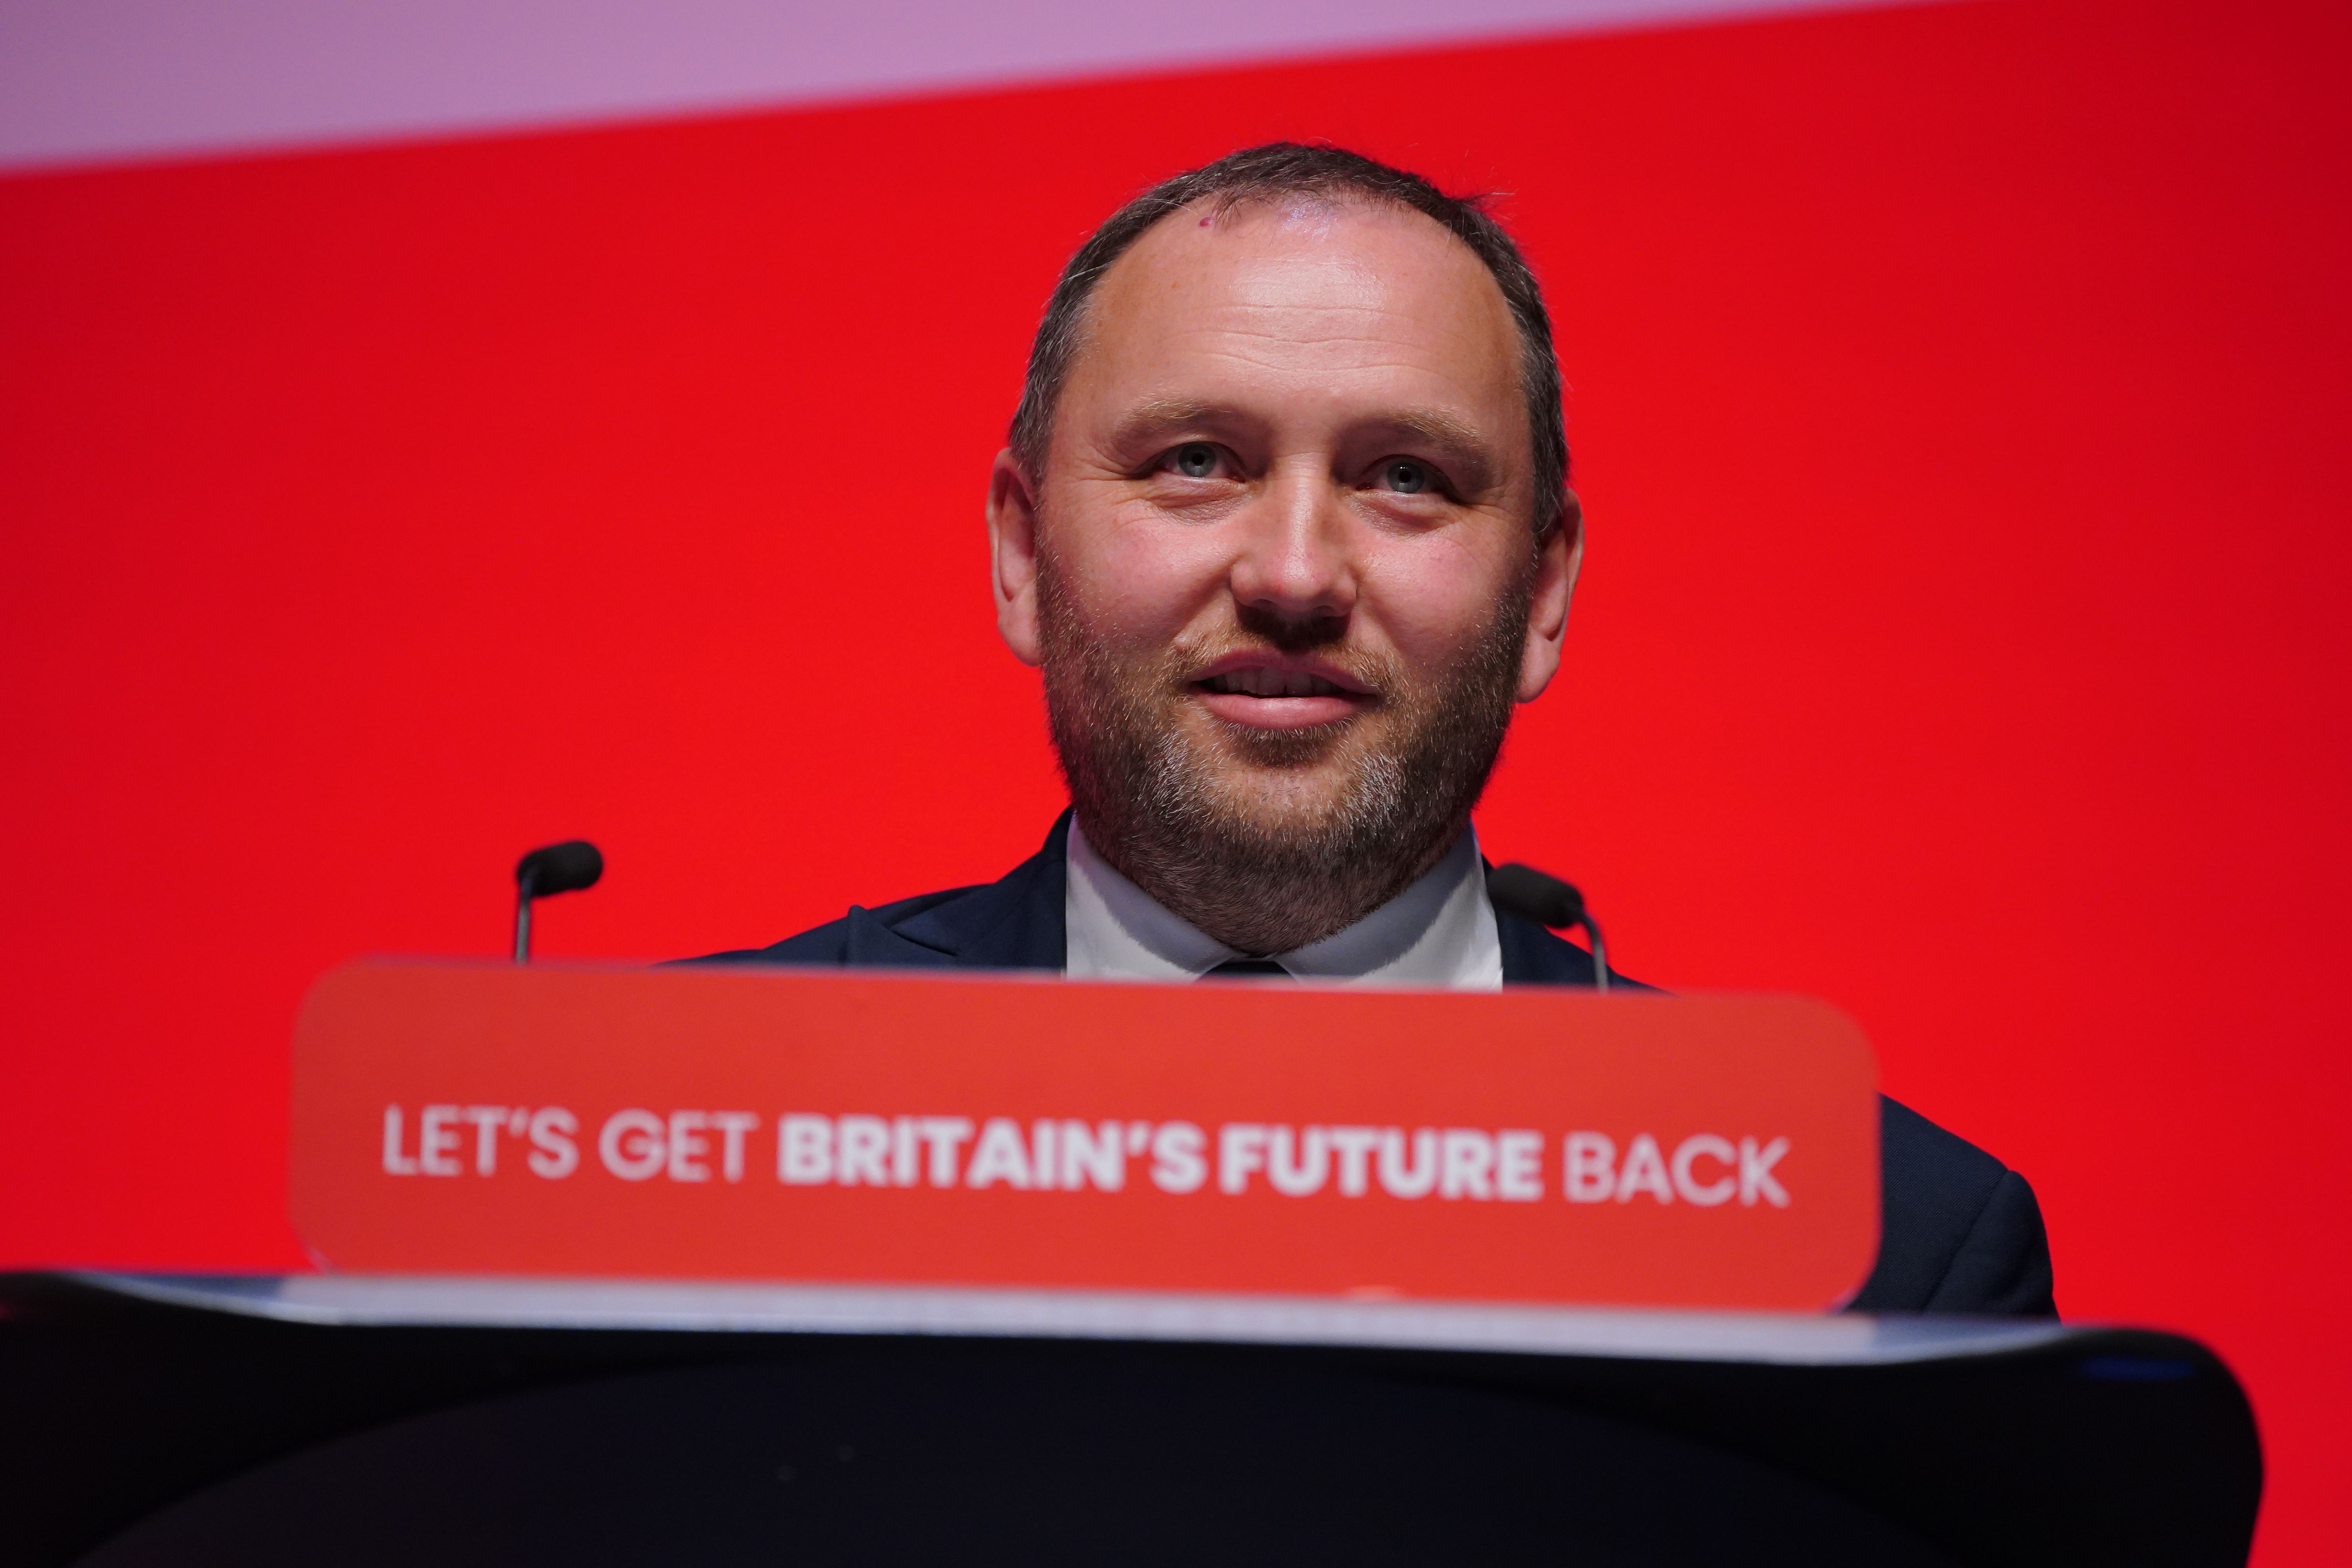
x,y
84,80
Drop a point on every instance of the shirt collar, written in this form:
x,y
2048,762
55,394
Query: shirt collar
x,y
1438,933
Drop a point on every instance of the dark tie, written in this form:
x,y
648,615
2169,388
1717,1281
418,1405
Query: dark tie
x,y
1247,969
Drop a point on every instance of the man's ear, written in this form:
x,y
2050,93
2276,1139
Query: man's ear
x,y
1012,555
1557,565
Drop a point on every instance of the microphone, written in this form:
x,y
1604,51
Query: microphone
x,y
1546,900
567,867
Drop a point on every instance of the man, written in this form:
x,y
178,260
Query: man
x,y
1284,523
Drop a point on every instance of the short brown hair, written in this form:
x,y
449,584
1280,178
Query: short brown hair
x,y
1288,168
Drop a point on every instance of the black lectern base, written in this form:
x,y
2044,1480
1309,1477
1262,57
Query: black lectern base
x,y
166,1425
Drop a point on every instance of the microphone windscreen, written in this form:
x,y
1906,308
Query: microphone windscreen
x,y
559,869
1535,895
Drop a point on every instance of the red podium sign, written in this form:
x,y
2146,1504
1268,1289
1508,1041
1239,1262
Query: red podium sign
x,y
1537,1145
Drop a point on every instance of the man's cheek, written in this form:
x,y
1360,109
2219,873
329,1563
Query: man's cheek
x,y
1121,613
1432,625
1177,562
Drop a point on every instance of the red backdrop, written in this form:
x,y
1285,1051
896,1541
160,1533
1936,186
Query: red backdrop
x,y
1958,395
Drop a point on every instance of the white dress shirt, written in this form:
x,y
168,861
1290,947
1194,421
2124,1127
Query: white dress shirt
x,y
1438,933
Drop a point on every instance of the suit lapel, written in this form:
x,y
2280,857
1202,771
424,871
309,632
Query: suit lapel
x,y
1533,956
1014,923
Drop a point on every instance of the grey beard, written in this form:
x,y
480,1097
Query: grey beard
x,y
1271,879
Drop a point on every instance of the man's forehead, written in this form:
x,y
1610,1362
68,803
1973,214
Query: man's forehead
x,y
1205,243
1274,278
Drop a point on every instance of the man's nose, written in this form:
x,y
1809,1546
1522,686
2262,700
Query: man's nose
x,y
1293,559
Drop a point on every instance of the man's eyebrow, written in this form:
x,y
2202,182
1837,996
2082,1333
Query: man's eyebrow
x,y
1156,415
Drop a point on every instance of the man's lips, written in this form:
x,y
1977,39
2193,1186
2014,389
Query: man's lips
x,y
1269,692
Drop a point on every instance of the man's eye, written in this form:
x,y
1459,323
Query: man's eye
x,y
1406,477
1194,460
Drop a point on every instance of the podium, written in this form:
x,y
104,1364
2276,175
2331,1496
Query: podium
x,y
161,1421
628,1268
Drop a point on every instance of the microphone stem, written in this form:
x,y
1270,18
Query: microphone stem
x,y
522,925
1600,953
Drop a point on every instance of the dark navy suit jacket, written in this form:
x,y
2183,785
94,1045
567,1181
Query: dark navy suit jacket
x,y
1961,1232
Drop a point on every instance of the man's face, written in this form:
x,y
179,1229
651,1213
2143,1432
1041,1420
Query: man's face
x,y
1280,569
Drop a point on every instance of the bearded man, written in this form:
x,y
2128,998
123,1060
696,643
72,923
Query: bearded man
x,y
1284,522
